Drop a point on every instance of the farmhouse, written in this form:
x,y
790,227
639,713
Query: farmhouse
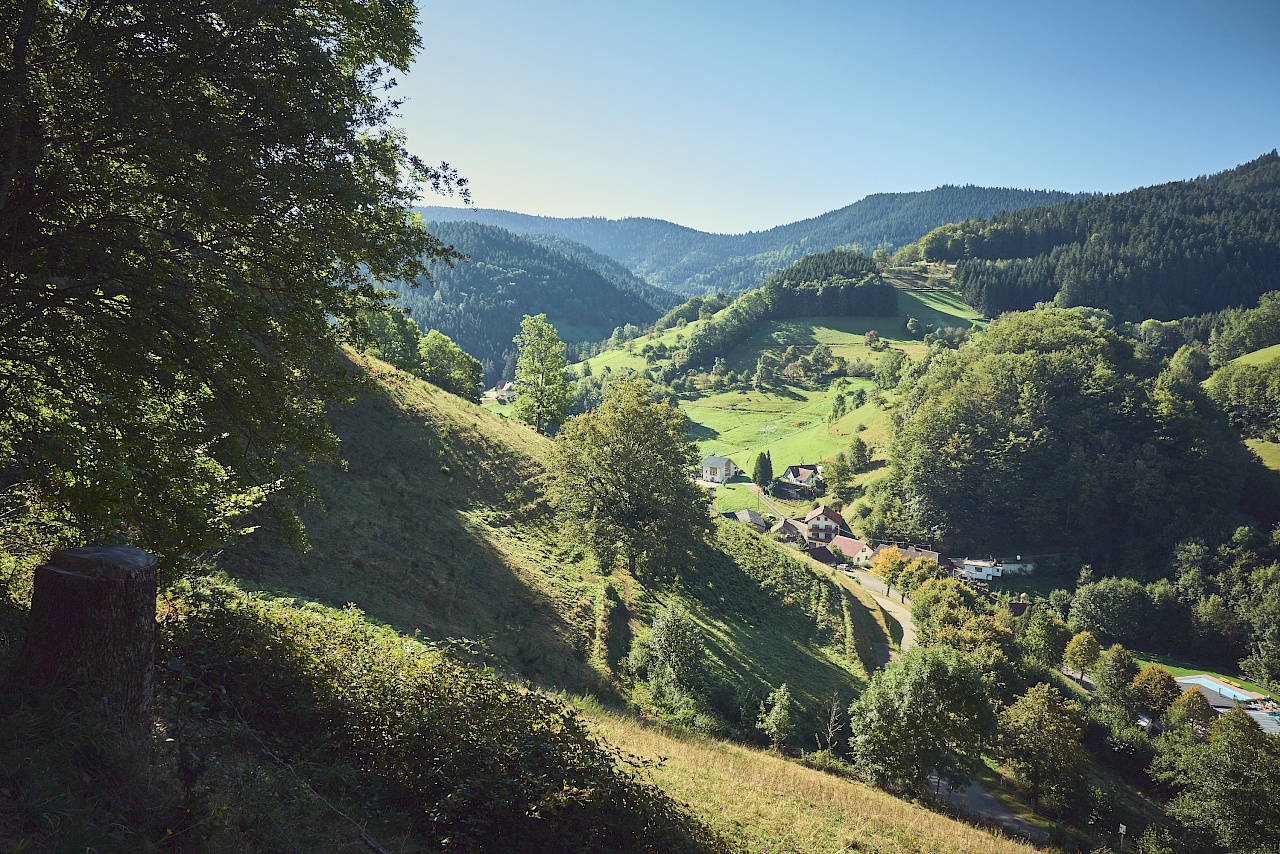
x,y
978,569
910,552
752,518
789,531
855,551
802,475
718,469
823,525
504,390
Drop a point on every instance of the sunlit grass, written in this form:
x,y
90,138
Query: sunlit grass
x,y
771,804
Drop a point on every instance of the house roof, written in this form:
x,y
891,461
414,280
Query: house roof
x,y
718,462
822,554
826,511
913,553
1018,608
787,526
752,517
801,472
847,545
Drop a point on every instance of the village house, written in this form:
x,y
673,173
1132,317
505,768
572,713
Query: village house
x,y
718,469
979,569
823,524
504,391
855,551
752,518
789,531
910,552
803,475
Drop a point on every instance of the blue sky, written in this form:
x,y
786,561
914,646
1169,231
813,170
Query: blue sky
x,y
736,116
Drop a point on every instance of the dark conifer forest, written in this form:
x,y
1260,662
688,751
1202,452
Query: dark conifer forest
x,y
479,302
1163,252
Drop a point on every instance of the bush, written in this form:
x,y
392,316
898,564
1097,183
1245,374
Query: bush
x,y
476,762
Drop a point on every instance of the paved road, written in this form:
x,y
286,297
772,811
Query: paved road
x,y
898,610
976,802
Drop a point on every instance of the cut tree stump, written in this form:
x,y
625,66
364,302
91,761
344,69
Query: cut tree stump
x,y
92,630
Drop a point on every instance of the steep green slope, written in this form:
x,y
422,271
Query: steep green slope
x,y
1168,251
479,302
438,526
695,262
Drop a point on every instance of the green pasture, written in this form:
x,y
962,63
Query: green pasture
x,y
789,422
1260,357
1269,451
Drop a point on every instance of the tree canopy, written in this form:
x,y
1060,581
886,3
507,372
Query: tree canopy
x,y
620,474
542,390
1047,431
196,207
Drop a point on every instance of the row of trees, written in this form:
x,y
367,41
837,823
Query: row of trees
x,y
396,338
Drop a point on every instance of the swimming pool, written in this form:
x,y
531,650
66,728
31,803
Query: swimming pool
x,y
1217,687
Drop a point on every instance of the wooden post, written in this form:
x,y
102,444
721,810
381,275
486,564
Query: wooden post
x,y
92,631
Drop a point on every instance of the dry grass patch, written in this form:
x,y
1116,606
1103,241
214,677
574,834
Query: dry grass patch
x,y
770,804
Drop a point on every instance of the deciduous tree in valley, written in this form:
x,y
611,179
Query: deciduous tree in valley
x,y
927,711
1046,636
620,476
1040,737
1155,690
1082,652
542,389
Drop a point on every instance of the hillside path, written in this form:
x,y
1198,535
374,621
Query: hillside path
x,y
898,610
977,803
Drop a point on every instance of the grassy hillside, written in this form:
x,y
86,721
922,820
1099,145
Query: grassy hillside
x,y
770,804
1260,357
437,527
790,420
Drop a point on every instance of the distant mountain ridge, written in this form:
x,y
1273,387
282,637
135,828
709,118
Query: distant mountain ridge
x,y
689,261
479,302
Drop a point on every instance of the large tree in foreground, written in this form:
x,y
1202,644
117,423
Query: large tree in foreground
x,y
620,475
197,201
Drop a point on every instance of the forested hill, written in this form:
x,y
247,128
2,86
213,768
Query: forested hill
x,y
479,302
1163,252
696,262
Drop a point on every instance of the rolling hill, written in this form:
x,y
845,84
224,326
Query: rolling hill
x,y
695,262
437,529
479,302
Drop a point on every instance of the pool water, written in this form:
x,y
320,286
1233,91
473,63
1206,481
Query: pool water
x,y
1217,687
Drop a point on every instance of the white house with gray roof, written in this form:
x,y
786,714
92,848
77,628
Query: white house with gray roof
x,y
718,469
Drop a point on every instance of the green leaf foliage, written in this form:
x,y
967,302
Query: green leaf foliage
x,y
1047,433
927,711
620,474
477,763
197,206
1041,738
542,390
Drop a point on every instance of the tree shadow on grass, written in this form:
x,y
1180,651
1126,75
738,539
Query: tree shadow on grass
x,y
409,538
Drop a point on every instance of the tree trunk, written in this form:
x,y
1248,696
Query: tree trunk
x,y
91,631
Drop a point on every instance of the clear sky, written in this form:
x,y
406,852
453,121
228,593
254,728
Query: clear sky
x,y
736,116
